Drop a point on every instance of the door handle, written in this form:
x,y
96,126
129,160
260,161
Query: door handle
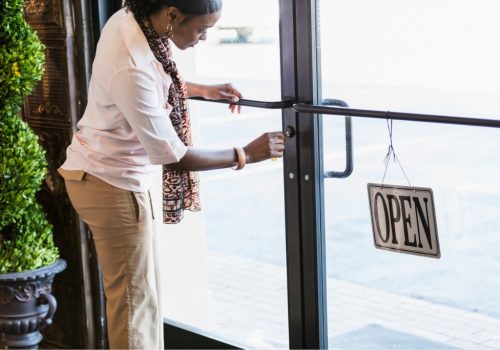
x,y
348,142
252,103
290,131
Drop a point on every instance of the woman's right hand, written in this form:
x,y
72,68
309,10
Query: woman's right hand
x,y
268,145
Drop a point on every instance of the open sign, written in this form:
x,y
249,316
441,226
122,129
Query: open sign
x,y
404,219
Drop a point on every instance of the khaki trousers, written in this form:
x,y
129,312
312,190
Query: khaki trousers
x,y
122,227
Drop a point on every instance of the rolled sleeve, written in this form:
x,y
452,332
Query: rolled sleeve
x,y
136,93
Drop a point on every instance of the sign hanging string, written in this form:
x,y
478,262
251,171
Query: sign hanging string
x,y
392,154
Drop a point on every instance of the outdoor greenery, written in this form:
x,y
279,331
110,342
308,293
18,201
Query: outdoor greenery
x,y
25,234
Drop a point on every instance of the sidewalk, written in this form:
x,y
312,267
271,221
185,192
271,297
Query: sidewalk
x,y
250,305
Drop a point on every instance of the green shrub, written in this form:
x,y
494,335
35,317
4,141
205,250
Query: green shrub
x,y
25,234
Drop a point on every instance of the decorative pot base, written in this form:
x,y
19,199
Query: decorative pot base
x,y
26,306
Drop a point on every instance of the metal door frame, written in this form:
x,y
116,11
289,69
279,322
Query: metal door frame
x,y
303,178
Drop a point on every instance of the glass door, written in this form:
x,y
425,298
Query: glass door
x,y
433,57
224,268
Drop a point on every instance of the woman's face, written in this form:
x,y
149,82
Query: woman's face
x,y
194,29
188,31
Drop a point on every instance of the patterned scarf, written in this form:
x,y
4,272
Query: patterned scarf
x,y
180,188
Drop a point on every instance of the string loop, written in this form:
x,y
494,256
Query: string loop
x,y
392,154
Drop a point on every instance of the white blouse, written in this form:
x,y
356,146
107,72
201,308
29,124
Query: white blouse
x,y
126,127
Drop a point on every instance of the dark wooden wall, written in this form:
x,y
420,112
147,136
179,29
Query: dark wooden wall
x,y
52,110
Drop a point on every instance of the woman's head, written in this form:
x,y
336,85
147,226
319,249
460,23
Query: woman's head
x,y
186,20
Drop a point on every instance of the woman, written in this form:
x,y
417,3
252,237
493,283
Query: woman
x,y
136,117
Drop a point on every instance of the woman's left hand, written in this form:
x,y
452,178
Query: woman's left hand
x,y
223,92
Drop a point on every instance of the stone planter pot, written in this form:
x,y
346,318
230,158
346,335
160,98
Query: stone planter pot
x,y
27,305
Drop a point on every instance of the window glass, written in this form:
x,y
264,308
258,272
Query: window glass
x,y
435,57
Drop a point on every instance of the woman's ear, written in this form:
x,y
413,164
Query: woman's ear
x,y
174,15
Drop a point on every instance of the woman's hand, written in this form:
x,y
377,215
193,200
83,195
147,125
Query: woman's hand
x,y
223,92
268,145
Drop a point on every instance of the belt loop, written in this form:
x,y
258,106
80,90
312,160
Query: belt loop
x,y
71,175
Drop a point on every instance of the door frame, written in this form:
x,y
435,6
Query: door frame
x,y
303,178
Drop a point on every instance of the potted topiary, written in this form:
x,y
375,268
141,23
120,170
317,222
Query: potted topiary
x,y
28,257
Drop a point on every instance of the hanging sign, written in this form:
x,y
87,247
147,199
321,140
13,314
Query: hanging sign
x,y
404,219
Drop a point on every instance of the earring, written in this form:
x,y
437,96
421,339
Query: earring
x,y
169,32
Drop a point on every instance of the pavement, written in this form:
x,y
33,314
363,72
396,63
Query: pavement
x,y
249,300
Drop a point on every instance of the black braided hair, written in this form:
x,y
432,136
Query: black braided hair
x,y
145,8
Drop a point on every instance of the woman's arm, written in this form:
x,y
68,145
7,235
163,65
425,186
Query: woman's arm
x,y
268,145
195,90
197,159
